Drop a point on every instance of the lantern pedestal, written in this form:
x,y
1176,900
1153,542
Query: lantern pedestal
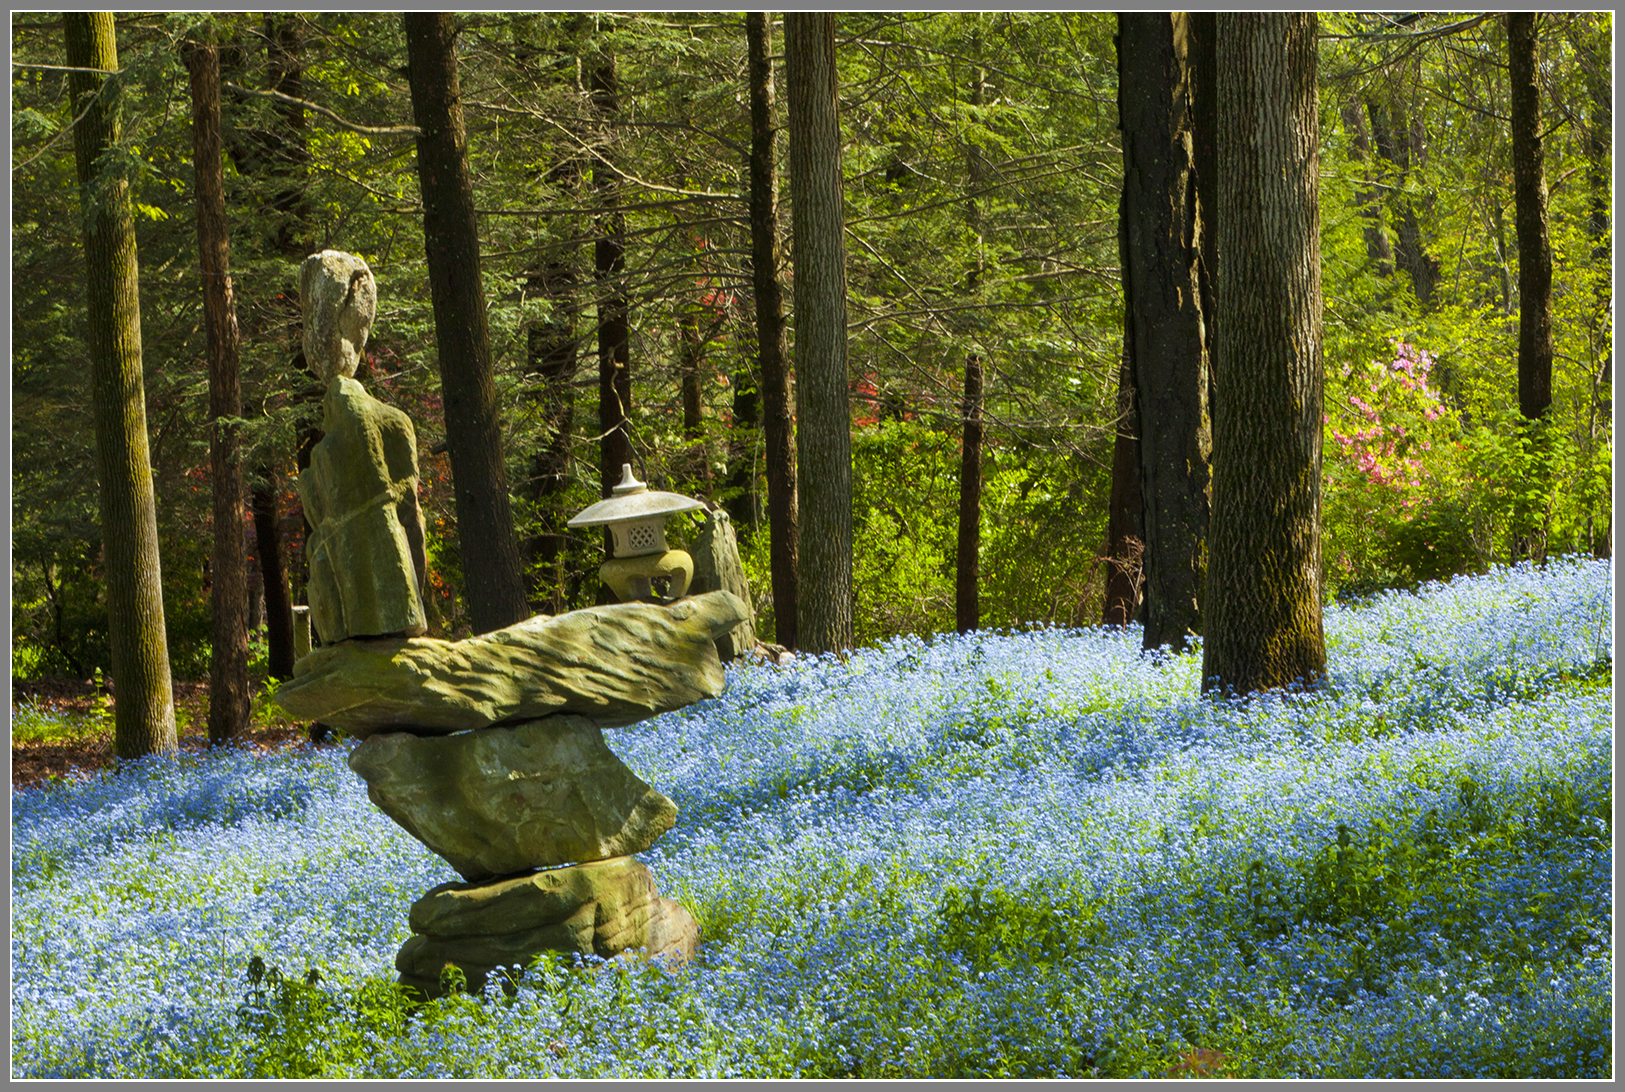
x,y
631,578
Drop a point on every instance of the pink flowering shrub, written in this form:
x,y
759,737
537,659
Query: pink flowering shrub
x,y
1395,503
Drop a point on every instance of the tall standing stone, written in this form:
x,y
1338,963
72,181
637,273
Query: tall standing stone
x,y
366,549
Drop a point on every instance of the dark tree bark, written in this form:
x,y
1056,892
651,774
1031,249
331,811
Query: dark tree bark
x,y
772,346
554,357
144,710
229,697
1166,356
1534,280
1125,543
743,502
823,411
614,309
1599,134
967,569
494,584
689,364
1264,597
274,576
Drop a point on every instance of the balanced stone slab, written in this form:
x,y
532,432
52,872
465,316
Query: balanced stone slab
x,y
496,801
617,664
605,908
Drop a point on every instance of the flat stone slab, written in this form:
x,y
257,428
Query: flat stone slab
x,y
617,664
496,801
605,908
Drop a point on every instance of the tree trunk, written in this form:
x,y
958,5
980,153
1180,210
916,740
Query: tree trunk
x,y
772,346
1399,143
1367,202
229,698
1534,283
553,355
967,605
1125,543
1599,131
273,574
1264,597
144,712
614,310
823,413
1166,356
692,356
742,501
494,584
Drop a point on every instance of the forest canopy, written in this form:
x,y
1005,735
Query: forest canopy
x,y
982,167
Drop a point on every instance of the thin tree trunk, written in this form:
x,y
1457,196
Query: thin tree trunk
x,y
614,309
1125,545
1534,281
1367,202
1264,596
772,346
144,712
278,606
494,584
692,356
229,698
553,355
1165,352
744,434
823,410
967,604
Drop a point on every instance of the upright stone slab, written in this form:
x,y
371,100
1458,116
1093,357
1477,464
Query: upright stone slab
x,y
717,567
617,664
497,801
366,545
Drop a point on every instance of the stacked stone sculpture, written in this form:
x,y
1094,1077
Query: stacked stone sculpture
x,y
489,750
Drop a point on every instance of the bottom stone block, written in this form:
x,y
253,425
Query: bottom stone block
x,y
603,908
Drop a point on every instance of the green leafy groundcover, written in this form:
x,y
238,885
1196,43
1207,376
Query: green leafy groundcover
x,y
1025,854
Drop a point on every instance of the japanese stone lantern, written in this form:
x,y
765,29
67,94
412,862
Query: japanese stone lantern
x,y
636,518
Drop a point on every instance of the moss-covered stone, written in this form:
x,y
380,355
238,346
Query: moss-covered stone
x,y
496,801
617,664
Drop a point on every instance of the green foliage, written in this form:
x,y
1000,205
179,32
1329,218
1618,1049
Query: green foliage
x,y
304,1028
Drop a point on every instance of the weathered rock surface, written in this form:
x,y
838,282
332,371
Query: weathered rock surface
x,y
339,299
717,568
604,908
496,801
616,664
360,494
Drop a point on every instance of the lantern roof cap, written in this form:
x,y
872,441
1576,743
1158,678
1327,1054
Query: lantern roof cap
x,y
633,500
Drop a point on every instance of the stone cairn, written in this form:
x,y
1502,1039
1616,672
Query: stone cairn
x,y
489,750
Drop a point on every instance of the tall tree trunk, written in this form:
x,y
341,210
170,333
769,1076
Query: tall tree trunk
x,y
1166,356
772,346
1599,131
614,309
554,357
689,363
823,411
144,712
1534,283
1264,596
494,586
1125,542
967,604
1400,145
742,501
274,576
229,698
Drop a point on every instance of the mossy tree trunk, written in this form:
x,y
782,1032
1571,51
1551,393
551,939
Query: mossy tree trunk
x,y
229,698
1264,595
485,536
823,412
144,713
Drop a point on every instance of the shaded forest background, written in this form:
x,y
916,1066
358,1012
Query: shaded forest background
x,y
982,168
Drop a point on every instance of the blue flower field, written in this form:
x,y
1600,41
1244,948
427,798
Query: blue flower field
x,y
1034,854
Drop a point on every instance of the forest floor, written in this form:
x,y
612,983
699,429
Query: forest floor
x,y
85,753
